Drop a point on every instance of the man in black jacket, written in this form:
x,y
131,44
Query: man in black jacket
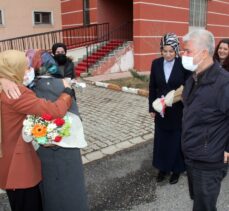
x,y
205,124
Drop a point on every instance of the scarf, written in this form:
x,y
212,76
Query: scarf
x,y
172,40
13,64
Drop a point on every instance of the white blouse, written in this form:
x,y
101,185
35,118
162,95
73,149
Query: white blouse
x,y
168,66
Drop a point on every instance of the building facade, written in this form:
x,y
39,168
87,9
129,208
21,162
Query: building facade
x,y
28,17
151,19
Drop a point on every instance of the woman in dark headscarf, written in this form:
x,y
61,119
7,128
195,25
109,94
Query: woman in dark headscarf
x,y
66,65
167,73
62,186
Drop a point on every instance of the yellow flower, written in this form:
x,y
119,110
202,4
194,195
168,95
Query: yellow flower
x,y
39,130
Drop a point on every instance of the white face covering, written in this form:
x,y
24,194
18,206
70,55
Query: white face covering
x,y
29,77
187,62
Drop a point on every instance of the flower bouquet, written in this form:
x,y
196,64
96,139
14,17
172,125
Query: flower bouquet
x,y
64,132
171,97
45,129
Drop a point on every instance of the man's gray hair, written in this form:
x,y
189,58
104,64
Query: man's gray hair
x,y
202,39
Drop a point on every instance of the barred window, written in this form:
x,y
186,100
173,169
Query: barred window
x,y
197,16
86,12
42,18
1,18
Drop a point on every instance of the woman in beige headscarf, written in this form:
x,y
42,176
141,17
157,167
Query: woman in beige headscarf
x,y
20,171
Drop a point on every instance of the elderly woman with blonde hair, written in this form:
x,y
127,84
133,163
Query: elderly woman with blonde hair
x,y
20,168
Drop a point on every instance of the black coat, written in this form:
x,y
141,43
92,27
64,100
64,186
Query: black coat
x,y
205,132
69,71
159,87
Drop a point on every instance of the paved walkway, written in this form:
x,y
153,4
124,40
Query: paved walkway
x,y
112,121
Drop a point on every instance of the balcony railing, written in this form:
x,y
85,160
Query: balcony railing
x,y
72,37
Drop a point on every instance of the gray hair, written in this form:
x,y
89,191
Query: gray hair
x,y
202,39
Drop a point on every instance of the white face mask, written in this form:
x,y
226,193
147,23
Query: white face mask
x,y
29,76
187,62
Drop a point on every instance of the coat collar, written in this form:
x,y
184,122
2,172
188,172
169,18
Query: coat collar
x,y
210,74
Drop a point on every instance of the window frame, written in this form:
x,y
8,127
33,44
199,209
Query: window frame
x,y
86,12
198,13
2,23
41,23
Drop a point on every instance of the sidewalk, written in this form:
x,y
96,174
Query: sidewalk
x,y
112,120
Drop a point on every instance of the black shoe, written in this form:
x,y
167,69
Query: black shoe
x,y
161,176
174,178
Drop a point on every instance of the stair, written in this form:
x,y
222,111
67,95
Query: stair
x,y
84,64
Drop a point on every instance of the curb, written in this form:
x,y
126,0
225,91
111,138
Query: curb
x,y
112,149
141,92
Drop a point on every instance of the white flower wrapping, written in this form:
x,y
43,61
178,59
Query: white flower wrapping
x,y
172,97
76,138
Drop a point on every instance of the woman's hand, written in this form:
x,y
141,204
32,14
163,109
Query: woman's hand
x,y
66,83
10,88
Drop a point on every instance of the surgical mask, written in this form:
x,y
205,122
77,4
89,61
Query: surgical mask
x,y
29,77
187,62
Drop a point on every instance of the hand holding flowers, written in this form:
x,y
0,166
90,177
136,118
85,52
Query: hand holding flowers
x,y
172,97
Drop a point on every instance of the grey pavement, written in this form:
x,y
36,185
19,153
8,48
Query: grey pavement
x,y
126,181
112,121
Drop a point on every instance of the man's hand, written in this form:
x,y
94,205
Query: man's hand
x,y
10,88
226,157
66,83
152,114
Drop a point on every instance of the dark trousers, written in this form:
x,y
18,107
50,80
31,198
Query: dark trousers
x,y
204,187
27,199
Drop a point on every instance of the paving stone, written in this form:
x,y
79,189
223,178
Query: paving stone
x,y
124,145
94,155
137,140
85,160
148,136
109,150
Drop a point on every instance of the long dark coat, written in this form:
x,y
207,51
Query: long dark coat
x,y
63,186
167,153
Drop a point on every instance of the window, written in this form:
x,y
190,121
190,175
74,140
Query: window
x,y
197,17
1,18
42,18
86,12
